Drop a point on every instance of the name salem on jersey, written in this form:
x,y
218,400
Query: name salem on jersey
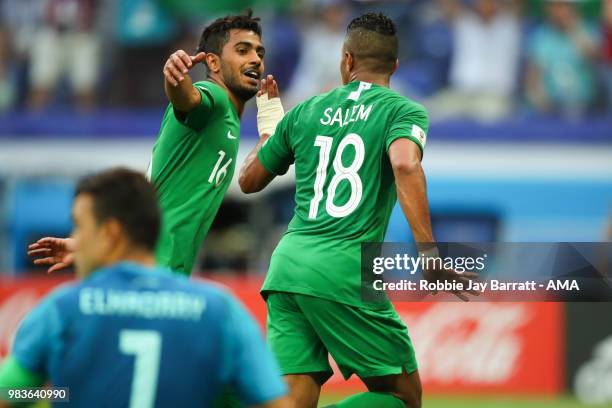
x,y
344,117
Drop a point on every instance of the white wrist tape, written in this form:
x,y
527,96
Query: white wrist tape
x,y
269,113
430,253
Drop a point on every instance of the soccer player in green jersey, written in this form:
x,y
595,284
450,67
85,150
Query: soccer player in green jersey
x,y
194,156
356,150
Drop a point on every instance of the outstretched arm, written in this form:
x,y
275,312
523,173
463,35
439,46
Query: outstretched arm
x,y
178,84
254,176
405,157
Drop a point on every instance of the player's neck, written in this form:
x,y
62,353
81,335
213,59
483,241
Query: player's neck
x,y
363,76
237,102
137,255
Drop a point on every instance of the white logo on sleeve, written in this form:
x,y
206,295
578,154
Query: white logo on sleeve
x,y
229,135
419,134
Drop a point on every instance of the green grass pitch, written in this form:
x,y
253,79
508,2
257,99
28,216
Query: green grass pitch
x,y
483,402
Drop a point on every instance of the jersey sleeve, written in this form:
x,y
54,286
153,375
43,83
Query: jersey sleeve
x,y
14,375
276,154
211,99
36,336
254,372
410,122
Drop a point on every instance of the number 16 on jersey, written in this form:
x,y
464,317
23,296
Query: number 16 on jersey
x,y
219,172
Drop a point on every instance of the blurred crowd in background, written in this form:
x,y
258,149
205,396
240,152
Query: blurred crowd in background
x,y
481,59
81,89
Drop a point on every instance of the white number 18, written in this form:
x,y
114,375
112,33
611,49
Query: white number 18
x,y
324,143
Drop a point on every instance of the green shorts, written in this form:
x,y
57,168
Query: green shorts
x,y
303,329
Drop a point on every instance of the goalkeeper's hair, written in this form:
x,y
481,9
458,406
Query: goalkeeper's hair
x,y
372,40
127,196
217,34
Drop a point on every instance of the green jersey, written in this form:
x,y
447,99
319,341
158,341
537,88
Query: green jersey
x,y
192,166
345,188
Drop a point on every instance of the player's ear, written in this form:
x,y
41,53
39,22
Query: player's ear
x,y
350,61
213,62
113,230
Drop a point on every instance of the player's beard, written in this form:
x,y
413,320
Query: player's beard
x,y
233,84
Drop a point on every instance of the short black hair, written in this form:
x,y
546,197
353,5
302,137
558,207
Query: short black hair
x,y
127,196
216,35
372,39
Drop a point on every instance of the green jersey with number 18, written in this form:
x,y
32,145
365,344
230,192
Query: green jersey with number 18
x,y
191,166
345,188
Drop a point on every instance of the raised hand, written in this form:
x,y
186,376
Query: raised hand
x,y
57,252
269,107
450,275
178,65
269,86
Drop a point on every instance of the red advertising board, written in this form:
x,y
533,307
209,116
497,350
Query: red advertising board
x,y
487,347
17,297
461,347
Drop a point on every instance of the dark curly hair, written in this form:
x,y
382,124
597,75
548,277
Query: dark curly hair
x,y
216,35
128,197
372,40
376,22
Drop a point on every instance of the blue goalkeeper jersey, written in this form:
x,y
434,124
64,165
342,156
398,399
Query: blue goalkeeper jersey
x,y
132,336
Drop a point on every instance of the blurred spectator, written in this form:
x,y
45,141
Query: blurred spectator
x,y
19,20
560,72
607,51
282,40
7,84
426,41
318,69
65,45
144,34
484,65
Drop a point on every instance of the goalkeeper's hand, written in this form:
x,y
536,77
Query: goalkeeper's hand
x,y
57,252
269,107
